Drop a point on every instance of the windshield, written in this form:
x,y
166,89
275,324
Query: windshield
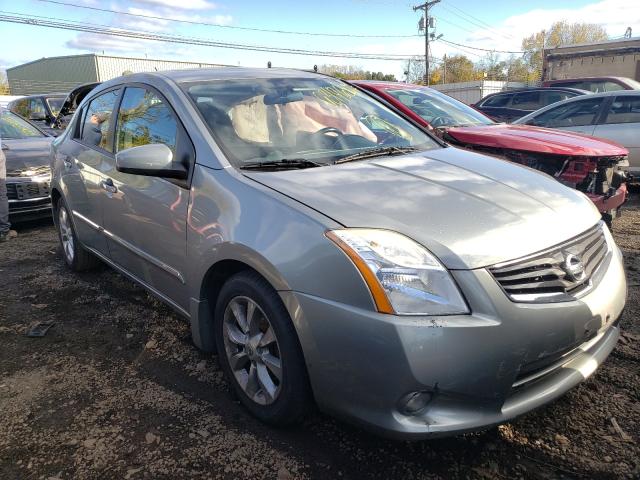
x,y
55,104
12,126
317,120
439,110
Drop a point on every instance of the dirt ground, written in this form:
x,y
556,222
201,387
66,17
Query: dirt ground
x,y
116,389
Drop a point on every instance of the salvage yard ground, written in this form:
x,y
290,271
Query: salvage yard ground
x,y
116,389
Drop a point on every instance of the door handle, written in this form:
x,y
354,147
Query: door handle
x,y
108,186
66,159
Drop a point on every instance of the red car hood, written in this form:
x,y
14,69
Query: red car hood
x,y
536,139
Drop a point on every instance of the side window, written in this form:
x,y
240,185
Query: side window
x,y
145,118
527,101
581,85
550,97
36,108
97,121
497,101
624,110
573,114
21,107
612,87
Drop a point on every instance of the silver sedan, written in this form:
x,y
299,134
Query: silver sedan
x,y
611,115
334,253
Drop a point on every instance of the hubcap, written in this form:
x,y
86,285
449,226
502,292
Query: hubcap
x,y
252,349
66,234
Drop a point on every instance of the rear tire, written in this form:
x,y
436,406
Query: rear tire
x,y
75,255
259,352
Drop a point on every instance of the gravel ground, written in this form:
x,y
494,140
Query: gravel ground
x,y
116,389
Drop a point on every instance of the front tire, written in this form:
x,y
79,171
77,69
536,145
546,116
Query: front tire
x,y
259,352
75,256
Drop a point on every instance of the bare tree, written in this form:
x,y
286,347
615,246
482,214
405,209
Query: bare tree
x,y
4,84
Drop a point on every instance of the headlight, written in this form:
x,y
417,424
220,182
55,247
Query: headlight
x,y
403,277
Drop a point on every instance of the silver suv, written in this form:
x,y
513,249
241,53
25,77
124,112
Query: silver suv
x,y
331,251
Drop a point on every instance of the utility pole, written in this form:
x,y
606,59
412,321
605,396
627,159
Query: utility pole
x,y
425,8
444,68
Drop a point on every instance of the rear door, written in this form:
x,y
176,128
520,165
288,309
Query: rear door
x,y
84,158
145,216
621,123
578,116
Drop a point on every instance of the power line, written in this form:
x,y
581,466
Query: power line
x,y
233,27
50,22
467,17
481,49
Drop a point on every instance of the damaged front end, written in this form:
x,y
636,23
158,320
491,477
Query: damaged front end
x,y
601,178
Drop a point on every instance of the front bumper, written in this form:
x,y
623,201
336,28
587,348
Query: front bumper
x,y
606,204
486,368
29,197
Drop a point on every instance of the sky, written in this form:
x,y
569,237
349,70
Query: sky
x,y
489,24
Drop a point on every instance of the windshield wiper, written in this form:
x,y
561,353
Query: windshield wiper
x,y
283,163
376,152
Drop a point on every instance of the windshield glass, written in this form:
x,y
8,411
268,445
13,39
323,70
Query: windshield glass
x,y
312,119
438,109
55,104
12,126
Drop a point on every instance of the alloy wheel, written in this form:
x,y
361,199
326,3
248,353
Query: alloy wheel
x,y
252,350
66,234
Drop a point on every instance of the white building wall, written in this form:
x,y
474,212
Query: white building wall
x,y
112,67
61,74
472,92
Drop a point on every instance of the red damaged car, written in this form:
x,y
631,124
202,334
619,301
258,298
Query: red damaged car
x,y
589,164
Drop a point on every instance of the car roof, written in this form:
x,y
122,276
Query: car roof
x,y
204,74
227,73
40,95
622,79
541,89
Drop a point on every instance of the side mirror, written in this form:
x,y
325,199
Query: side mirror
x,y
37,116
153,160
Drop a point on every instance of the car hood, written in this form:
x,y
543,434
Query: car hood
x,y
536,139
470,210
26,154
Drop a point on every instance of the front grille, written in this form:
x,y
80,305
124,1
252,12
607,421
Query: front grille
x,y
27,190
29,172
557,274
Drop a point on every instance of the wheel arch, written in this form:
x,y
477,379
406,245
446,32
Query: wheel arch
x,y
202,309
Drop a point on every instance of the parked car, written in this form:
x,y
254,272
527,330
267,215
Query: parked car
x,y
39,109
51,113
70,103
513,104
590,165
611,115
26,149
596,84
332,251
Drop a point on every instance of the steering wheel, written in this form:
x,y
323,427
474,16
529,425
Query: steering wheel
x,y
325,130
440,121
